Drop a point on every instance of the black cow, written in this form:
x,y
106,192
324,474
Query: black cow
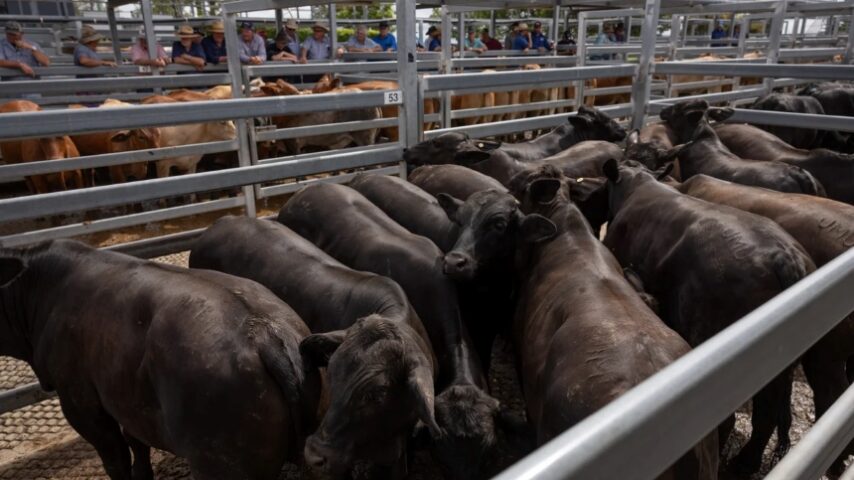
x,y
408,205
588,124
582,333
783,102
835,98
455,180
835,171
360,235
708,265
704,153
380,366
199,363
825,228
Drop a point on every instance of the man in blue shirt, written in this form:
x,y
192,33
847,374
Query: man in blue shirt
x,y
252,48
317,46
214,44
522,41
435,36
717,34
360,43
17,53
539,40
385,40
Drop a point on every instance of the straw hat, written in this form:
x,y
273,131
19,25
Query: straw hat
x,y
292,24
523,26
186,31
321,25
217,27
88,35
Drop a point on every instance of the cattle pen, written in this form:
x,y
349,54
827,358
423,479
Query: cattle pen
x,y
642,432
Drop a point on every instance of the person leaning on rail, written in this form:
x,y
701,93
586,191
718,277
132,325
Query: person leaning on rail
x,y
15,52
185,51
317,46
85,54
286,46
140,55
385,39
251,49
214,44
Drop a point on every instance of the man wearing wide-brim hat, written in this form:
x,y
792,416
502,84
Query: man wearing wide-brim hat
x,y
15,52
214,44
318,46
139,54
186,51
84,52
285,48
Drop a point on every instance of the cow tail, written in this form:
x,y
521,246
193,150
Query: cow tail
x,y
296,381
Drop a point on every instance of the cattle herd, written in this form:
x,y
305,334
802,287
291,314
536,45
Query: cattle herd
x,y
358,324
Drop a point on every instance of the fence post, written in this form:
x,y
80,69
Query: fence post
x,y
333,28
410,115
114,34
581,57
279,19
235,71
150,34
555,26
447,62
641,86
774,39
676,22
849,45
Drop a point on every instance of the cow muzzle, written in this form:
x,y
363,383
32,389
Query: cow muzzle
x,y
323,462
458,265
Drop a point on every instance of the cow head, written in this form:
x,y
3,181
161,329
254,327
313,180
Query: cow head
x,y
137,139
443,148
651,154
471,421
221,130
381,384
624,178
687,118
592,124
490,226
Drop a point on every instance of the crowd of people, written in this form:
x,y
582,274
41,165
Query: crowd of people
x,y
519,37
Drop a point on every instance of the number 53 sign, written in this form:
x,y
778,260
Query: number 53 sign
x,y
393,97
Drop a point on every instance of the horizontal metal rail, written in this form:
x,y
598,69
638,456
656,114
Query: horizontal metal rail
x,y
62,122
671,410
824,72
284,69
276,190
124,221
324,129
67,70
512,61
73,85
523,77
20,208
515,108
22,396
16,171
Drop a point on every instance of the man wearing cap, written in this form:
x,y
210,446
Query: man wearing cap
x,y
385,40
522,41
317,46
360,43
489,42
187,52
434,44
286,46
252,50
539,40
214,44
17,53
84,52
472,43
140,56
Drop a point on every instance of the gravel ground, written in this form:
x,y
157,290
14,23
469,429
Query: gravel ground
x,y
36,443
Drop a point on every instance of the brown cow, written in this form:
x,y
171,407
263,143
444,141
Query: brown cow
x,y
184,95
119,141
34,150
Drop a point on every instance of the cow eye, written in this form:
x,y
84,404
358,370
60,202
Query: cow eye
x,y
500,224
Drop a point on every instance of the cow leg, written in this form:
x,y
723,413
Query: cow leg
x,y
771,408
828,381
724,430
141,458
40,184
849,369
96,426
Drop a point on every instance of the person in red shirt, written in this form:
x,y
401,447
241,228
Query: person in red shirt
x,y
489,42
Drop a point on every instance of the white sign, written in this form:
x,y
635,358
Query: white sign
x,y
144,69
393,98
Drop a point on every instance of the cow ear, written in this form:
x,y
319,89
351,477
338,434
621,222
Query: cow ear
x,y
543,190
10,269
537,228
664,171
633,138
470,157
674,152
720,114
319,347
450,204
120,136
420,385
666,113
580,121
611,170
